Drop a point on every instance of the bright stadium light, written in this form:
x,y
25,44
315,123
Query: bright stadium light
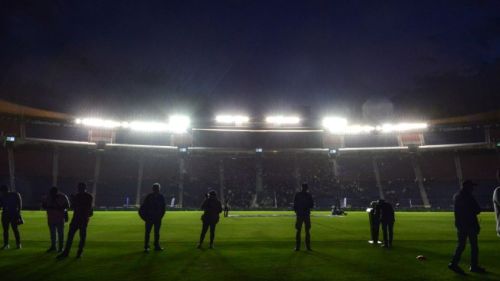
x,y
340,126
178,124
335,125
98,123
146,126
359,129
401,127
283,120
232,119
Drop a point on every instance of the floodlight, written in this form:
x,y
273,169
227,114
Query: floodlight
x,y
332,151
335,125
232,119
178,124
98,123
10,139
183,149
359,129
146,126
283,120
401,127
258,150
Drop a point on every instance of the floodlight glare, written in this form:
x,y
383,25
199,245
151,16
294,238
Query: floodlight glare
x,y
335,125
98,123
359,129
178,124
283,120
401,127
232,119
258,150
146,126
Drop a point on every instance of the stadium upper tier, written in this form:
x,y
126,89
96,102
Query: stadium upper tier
x,y
244,134
255,163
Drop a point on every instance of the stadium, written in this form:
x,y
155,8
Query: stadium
x,y
262,140
253,165
256,164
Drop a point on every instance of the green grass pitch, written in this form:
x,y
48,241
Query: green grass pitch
x,y
251,246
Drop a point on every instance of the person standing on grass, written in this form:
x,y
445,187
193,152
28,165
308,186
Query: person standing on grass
x,y
211,209
496,203
226,208
466,210
11,205
302,205
374,219
152,211
387,218
57,205
82,211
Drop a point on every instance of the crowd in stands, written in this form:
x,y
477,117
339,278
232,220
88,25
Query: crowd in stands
x,y
355,186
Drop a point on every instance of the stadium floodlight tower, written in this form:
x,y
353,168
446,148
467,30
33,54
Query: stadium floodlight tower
x,y
9,142
100,132
258,176
179,126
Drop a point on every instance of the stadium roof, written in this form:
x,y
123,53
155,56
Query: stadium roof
x,y
485,117
13,109
21,111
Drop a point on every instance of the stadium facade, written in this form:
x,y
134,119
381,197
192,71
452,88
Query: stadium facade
x,y
252,166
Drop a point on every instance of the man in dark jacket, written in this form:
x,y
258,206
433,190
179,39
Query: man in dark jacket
x,y
11,205
466,210
82,211
152,211
302,205
386,218
57,204
211,209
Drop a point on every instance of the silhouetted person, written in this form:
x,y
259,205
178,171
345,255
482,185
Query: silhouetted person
x,y
152,211
82,211
226,208
386,215
211,209
374,218
496,203
466,210
11,204
57,205
302,205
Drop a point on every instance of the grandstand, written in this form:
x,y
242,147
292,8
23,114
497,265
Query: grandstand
x,y
253,163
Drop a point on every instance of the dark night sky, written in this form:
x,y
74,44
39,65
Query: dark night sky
x,y
424,58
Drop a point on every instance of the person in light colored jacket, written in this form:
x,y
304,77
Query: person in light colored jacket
x,y
57,205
